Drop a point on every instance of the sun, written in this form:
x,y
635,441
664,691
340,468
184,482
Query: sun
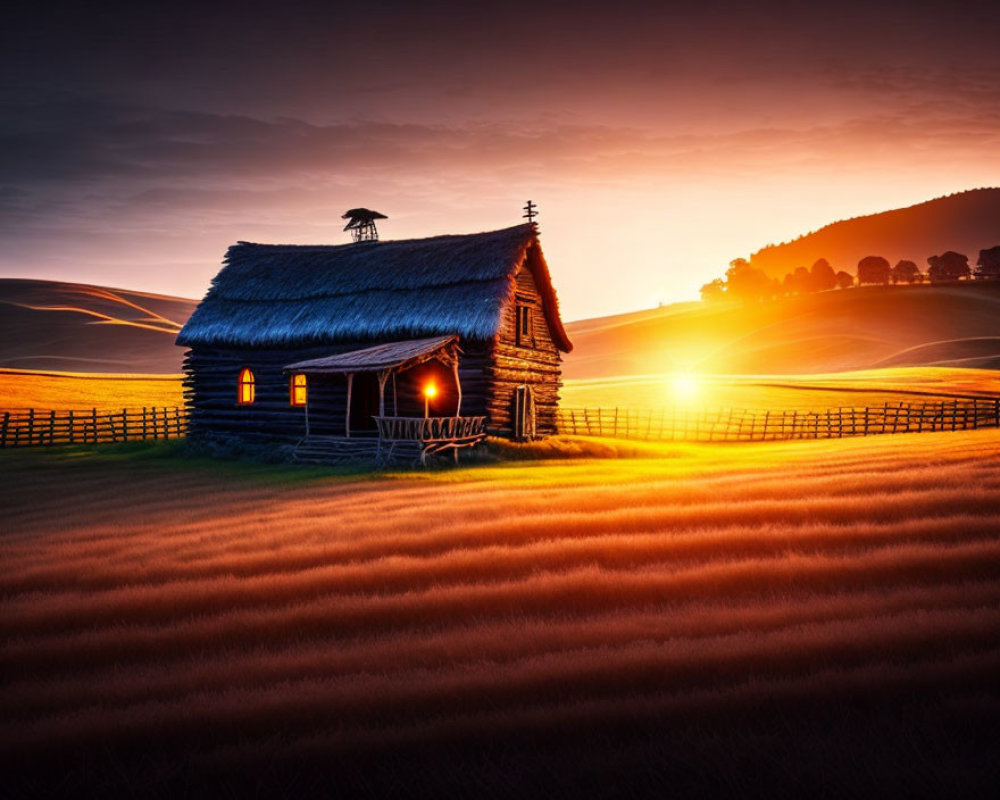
x,y
684,385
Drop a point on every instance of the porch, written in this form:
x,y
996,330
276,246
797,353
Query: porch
x,y
346,420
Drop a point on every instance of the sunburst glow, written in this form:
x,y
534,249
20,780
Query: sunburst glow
x,y
684,386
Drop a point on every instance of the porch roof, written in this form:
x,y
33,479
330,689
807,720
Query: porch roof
x,y
388,356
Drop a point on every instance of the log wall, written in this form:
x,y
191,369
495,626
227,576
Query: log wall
x,y
535,363
210,391
210,385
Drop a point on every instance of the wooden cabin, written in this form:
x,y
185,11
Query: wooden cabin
x,y
376,348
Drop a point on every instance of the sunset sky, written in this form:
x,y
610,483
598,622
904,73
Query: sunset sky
x,y
140,141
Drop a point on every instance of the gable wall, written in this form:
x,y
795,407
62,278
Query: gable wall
x,y
511,365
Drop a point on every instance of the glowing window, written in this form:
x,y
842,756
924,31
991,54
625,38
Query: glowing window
x,y
297,390
245,387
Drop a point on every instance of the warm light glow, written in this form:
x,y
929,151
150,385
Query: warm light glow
x,y
245,387
430,390
297,390
684,385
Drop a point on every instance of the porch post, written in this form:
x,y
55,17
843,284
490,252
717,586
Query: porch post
x,y
382,377
395,399
458,386
307,412
347,416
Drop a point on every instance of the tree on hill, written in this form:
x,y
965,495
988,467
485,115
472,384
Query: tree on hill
x,y
989,263
949,266
713,291
873,269
746,283
963,220
905,272
822,277
845,280
801,282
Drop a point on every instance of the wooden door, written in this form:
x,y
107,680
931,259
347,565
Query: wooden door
x,y
524,413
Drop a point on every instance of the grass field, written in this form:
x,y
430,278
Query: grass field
x,y
105,392
806,392
724,620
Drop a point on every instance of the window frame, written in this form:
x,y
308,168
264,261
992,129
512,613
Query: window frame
x,y
294,387
523,325
246,387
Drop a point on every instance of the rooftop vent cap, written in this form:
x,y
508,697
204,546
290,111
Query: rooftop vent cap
x,y
362,224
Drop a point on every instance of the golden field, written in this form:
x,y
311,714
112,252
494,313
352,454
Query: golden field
x,y
723,620
63,391
694,391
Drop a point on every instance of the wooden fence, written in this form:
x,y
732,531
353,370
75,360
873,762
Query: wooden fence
x,y
31,427
741,425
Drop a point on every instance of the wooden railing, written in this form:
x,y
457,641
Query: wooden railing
x,y
430,436
429,429
31,427
731,425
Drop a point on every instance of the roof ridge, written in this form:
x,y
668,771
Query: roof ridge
x,y
380,242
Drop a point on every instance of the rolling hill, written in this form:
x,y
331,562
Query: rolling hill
x,y
966,222
50,325
867,328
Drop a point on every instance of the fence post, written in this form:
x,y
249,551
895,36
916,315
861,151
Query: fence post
x,y
31,426
996,413
124,424
52,426
71,432
3,434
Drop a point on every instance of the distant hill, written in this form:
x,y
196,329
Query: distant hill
x,y
966,222
954,325
47,325
76,327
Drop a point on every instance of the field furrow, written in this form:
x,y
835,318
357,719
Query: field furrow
x,y
170,614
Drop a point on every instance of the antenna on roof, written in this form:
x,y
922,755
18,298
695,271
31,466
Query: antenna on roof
x,y
530,212
362,224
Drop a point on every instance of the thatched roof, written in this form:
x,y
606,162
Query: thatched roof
x,y
291,295
392,355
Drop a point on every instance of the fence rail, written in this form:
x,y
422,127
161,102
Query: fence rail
x,y
732,425
31,427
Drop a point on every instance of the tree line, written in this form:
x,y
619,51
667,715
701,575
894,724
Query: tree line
x,y
747,283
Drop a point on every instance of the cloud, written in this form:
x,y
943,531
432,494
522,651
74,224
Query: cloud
x,y
94,190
